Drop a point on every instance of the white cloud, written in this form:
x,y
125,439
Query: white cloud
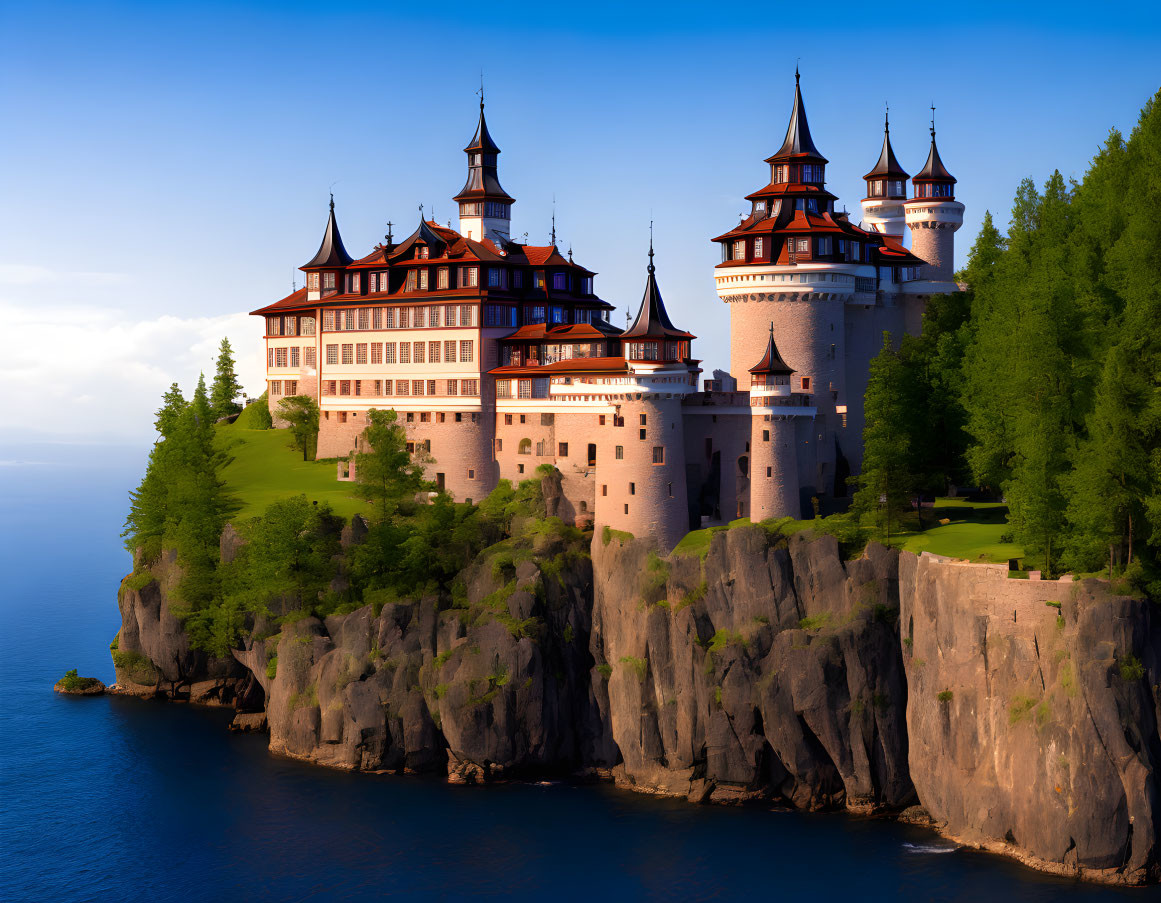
x,y
98,373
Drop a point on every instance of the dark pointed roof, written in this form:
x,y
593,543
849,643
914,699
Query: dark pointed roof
x,y
933,170
887,167
798,142
772,361
424,233
652,319
482,141
331,252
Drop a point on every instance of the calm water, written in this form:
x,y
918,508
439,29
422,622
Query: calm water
x,y
115,799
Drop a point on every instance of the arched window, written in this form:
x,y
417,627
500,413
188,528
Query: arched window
x,y
525,447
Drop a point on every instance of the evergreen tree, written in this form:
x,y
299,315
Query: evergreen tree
x,y
226,387
386,475
301,412
886,482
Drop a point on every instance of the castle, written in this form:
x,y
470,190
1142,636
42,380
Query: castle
x,y
498,356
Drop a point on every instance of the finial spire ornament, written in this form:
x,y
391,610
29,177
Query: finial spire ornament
x,y
388,235
933,120
421,213
332,201
481,91
553,221
652,269
796,76
886,117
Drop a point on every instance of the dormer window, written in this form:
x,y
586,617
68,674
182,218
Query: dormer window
x,y
896,187
781,173
473,159
740,250
441,278
423,280
811,172
424,252
353,282
759,247
312,282
328,282
875,189
412,280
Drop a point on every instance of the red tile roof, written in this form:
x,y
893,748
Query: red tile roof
x,y
576,365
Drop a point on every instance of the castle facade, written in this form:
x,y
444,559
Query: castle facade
x,y
499,357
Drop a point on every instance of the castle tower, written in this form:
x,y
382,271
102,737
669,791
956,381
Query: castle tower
x,y
778,416
933,216
645,473
485,207
886,191
323,270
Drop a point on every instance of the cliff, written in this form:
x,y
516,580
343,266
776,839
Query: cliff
x,y
766,669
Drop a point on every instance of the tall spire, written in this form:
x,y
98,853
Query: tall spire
x,y
888,166
652,318
798,142
772,362
484,204
331,252
933,170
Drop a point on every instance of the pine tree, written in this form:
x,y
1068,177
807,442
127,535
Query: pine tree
x,y
226,387
886,482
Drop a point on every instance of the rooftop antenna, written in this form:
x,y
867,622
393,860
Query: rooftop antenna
x,y
388,235
554,220
481,91
293,280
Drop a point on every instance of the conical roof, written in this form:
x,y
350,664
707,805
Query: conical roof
x,y
772,362
887,167
652,319
798,142
482,141
933,170
331,252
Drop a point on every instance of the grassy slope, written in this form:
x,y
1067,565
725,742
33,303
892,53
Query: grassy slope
x,y
973,532
265,468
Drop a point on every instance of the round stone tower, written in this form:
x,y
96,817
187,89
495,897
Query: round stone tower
x,y
933,216
886,191
776,411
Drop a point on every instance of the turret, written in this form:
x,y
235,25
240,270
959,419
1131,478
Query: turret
x,y
485,207
886,191
933,216
652,336
323,270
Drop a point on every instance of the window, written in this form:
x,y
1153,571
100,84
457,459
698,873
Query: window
x,y
424,252
376,352
308,356
348,354
559,281
538,279
658,454
389,353
312,282
759,247
412,281
358,387
449,352
431,387
328,321
465,351
562,449
344,387
642,434
425,417
401,319
388,385
782,173
405,352
441,278
469,277
604,489
811,172
433,316
402,387
364,318
328,281
740,250
525,447
295,357
453,388
378,390
806,384
824,246
466,316
348,320
306,325
495,277
274,325
632,489
875,189
433,349
619,453
449,315
803,246
644,419
417,352
354,278
423,279
332,354
417,387
279,357
292,387
275,387
361,353
469,387
373,282
600,419
765,435
419,317
518,279
507,420
329,387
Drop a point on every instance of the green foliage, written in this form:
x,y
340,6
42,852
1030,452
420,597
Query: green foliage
x,y
621,536
138,580
639,666
1019,707
723,638
73,682
135,666
226,387
256,415
301,413
606,671
272,666
1130,668
388,476
815,622
944,696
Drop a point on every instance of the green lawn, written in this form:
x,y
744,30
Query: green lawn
x,y
265,468
973,533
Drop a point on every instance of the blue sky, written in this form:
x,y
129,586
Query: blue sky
x,y
166,166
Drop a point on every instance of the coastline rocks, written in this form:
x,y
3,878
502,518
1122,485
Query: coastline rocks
x,y
766,671
72,685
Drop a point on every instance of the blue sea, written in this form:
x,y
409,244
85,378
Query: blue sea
x,y
124,800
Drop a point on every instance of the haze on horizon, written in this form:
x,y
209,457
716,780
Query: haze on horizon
x,y
167,169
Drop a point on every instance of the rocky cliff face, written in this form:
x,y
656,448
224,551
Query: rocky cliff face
x,y
765,669
1033,716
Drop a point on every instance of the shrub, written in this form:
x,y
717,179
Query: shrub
x,y
609,534
815,622
1019,707
639,666
441,690
723,638
944,696
256,415
568,633
136,667
73,681
272,666
138,580
1131,668
606,671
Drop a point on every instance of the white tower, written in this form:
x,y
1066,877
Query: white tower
x,y
485,207
886,192
933,216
